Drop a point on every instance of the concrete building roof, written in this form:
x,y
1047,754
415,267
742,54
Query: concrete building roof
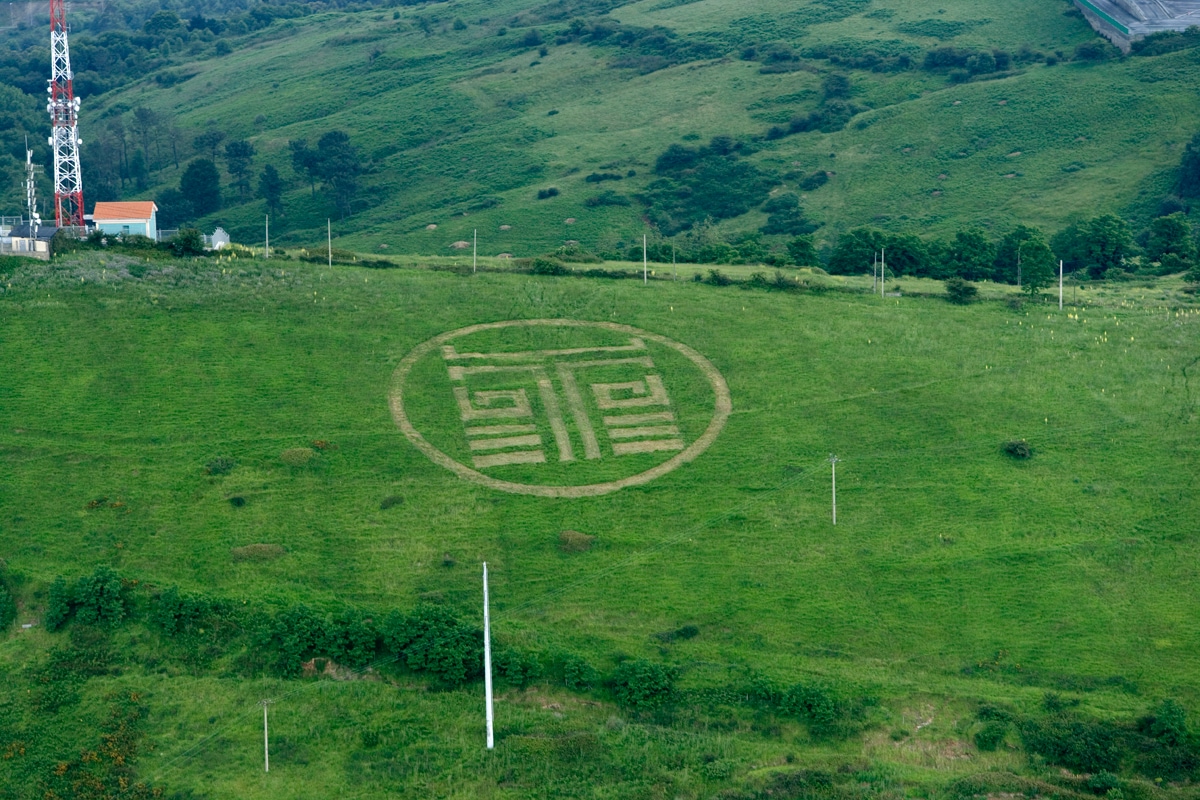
x,y
112,212
1125,20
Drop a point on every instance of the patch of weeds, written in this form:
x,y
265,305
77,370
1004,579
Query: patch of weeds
x,y
1018,449
220,466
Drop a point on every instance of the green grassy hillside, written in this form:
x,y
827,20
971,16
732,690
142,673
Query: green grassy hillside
x,y
460,126
956,575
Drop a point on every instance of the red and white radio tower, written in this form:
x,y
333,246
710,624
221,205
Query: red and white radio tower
x,y
64,115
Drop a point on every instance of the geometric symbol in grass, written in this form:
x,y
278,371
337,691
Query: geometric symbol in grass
x,y
526,411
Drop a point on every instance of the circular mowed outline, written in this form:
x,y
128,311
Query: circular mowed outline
x,y
722,408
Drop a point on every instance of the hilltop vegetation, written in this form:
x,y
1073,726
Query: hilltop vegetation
x,y
538,124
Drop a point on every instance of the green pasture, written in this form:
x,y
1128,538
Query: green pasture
x,y
461,128
1073,569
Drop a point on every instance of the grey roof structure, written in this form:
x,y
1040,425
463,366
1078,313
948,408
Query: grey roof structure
x,y
1122,21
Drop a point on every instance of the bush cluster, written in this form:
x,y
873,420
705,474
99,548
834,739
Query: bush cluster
x,y
97,599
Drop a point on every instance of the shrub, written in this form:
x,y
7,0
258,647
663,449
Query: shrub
x,y
178,613
819,706
547,266
391,501
1018,448
991,735
220,466
686,632
546,194
432,639
960,292
575,542
58,606
188,242
600,177
642,685
718,278
352,639
1168,723
1077,744
578,674
8,607
815,181
517,668
99,599
297,456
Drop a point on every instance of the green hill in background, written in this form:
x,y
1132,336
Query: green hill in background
x,y
462,112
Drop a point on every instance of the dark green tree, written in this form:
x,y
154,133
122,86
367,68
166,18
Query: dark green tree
x,y
856,251
1187,183
908,254
1096,245
139,172
339,167
1038,265
174,209
1171,236
270,189
643,685
1009,253
802,252
209,141
970,255
201,183
239,155
304,162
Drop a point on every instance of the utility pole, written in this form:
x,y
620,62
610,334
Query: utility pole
x,y
1060,285
267,234
474,248
882,269
266,739
487,661
329,240
645,263
833,462
674,266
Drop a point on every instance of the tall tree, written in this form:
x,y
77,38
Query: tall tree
x,y
144,123
270,189
239,155
1188,179
209,141
1171,236
173,209
970,255
339,166
304,162
201,184
1010,254
1038,265
1097,245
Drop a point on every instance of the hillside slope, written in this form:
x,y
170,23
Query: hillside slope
x,y
461,121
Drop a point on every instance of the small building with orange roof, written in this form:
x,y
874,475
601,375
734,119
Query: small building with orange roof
x,y
132,218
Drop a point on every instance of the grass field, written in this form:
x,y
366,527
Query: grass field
x,y
955,573
457,116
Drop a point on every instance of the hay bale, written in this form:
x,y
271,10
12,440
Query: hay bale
x,y
297,456
257,552
431,227
575,542
506,227
460,245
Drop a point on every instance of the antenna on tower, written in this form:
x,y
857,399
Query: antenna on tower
x,y
31,191
63,107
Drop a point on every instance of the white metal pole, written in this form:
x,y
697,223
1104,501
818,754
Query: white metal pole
x,y
487,661
1060,285
266,739
329,240
474,248
267,231
645,263
882,269
833,462
874,270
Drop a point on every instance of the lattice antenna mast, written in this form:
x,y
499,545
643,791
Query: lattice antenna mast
x,y
64,115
